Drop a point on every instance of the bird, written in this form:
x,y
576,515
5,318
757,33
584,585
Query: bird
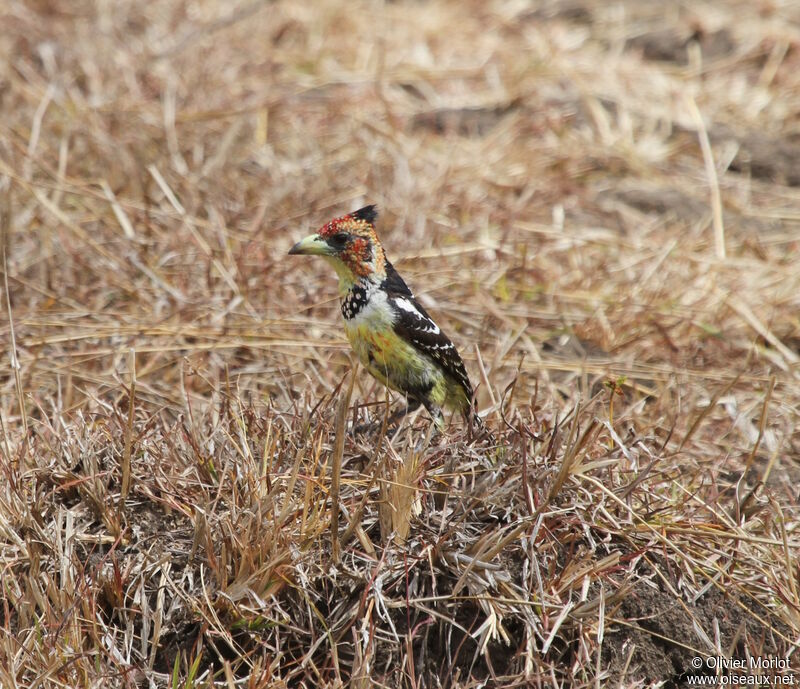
x,y
391,333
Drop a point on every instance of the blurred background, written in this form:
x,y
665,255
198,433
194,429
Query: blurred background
x,y
539,167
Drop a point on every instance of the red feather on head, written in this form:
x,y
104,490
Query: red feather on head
x,y
363,253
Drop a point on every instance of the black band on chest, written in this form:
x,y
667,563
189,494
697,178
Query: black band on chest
x,y
355,300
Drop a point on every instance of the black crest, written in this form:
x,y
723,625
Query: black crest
x,y
367,214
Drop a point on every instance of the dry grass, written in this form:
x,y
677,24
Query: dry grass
x,y
599,200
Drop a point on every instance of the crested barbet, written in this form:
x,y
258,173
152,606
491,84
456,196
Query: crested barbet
x,y
390,331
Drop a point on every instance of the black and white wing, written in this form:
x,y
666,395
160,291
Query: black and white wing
x,y
415,326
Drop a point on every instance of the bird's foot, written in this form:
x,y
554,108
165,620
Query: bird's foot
x,y
367,428
392,422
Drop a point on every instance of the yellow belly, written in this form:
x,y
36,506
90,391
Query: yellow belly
x,y
396,363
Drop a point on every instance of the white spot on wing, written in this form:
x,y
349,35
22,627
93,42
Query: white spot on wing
x,y
406,305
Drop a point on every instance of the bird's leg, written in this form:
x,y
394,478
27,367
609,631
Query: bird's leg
x,y
411,405
476,428
436,414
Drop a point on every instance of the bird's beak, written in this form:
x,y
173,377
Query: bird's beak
x,y
313,245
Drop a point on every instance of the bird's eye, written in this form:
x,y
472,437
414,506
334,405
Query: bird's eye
x,y
338,240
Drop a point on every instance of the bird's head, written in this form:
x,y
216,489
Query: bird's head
x,y
350,244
